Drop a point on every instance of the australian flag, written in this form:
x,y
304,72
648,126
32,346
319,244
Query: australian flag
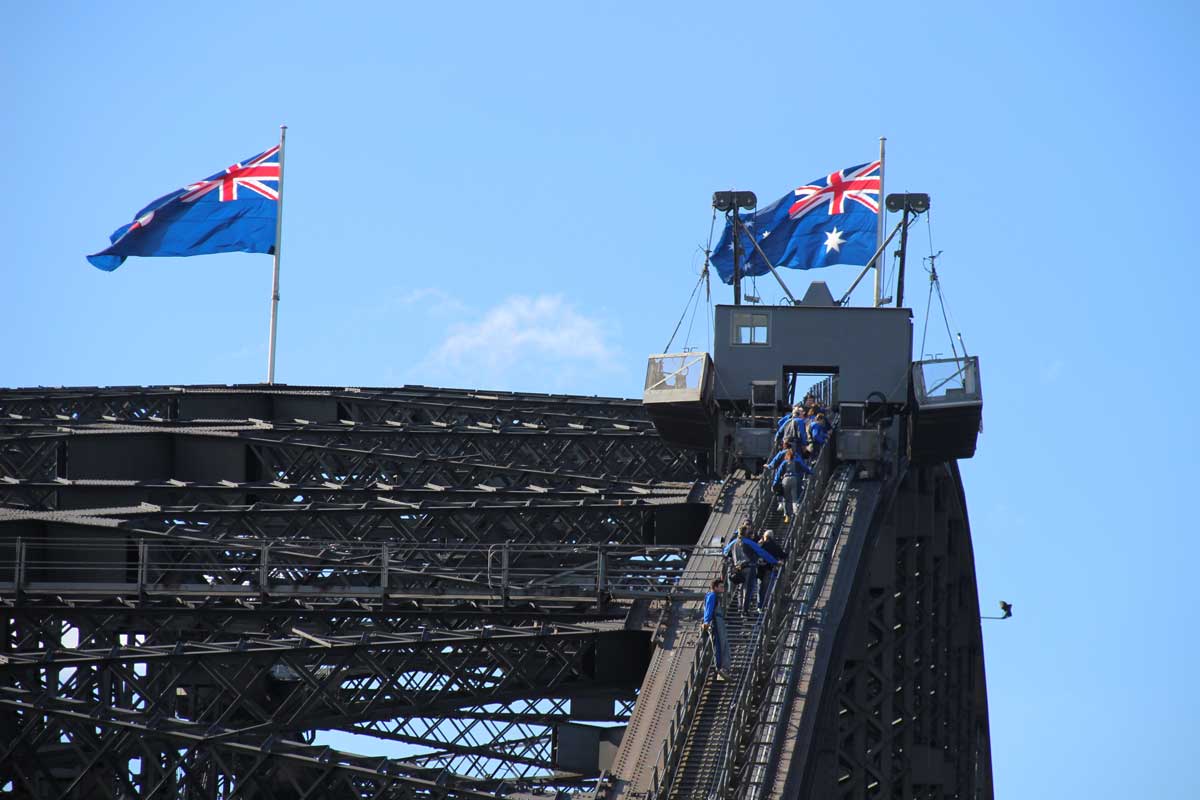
x,y
833,220
232,211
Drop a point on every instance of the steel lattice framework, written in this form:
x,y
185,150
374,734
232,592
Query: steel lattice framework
x,y
199,579
908,709
208,590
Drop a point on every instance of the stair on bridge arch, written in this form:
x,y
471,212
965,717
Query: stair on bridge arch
x,y
710,728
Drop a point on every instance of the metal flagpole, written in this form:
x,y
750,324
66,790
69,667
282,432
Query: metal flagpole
x,y
278,247
879,226
878,252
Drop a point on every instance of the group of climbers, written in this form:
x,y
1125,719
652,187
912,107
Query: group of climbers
x,y
754,563
799,437
751,565
805,429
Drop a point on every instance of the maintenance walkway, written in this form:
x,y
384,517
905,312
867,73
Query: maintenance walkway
x,y
679,667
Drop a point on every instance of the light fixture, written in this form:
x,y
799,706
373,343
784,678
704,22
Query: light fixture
x,y
916,202
728,201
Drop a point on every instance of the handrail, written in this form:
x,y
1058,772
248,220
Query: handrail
x,y
792,635
772,620
683,715
684,369
250,568
667,762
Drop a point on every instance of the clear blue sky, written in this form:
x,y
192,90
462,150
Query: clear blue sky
x,y
513,196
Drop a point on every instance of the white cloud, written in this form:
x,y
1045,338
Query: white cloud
x,y
541,343
432,301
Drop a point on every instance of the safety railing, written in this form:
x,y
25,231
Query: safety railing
x,y
759,757
124,566
684,711
748,693
668,760
667,763
825,391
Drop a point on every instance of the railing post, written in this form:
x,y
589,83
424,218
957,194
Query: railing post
x,y
504,571
19,570
143,555
263,571
384,577
601,573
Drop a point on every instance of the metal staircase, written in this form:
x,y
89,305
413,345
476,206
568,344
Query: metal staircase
x,y
724,719
752,774
705,744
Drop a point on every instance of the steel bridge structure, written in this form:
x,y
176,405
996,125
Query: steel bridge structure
x,y
311,592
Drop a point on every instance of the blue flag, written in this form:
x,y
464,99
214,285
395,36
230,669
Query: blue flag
x,y
232,211
833,220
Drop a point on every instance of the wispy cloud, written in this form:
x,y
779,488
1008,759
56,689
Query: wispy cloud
x,y
540,343
433,301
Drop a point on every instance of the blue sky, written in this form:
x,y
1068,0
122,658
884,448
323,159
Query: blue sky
x,y
514,196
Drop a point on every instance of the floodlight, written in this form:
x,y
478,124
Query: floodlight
x,y
728,201
916,202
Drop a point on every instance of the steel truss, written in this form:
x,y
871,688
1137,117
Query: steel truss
x,y
408,459
285,685
198,579
63,493
197,568
908,714
434,524
419,404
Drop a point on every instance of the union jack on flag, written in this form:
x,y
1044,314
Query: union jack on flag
x,y
249,174
831,220
234,210
854,185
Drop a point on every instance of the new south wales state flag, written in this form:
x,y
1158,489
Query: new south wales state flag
x,y
833,220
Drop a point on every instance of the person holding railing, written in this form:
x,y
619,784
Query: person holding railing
x,y
818,432
768,572
746,555
791,430
788,468
714,624
788,415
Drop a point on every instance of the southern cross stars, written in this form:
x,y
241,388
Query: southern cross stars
x,y
834,240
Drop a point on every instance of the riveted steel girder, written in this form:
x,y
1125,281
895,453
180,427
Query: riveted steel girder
x,y
166,494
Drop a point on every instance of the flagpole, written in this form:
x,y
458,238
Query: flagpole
x,y
275,278
879,226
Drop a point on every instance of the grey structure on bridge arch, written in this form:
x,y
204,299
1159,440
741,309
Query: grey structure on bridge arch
x,y
867,348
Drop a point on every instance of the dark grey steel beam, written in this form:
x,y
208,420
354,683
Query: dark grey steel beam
x,y
65,494
374,405
317,473
181,759
405,459
305,682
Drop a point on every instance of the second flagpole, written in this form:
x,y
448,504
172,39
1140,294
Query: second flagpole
x,y
275,277
880,226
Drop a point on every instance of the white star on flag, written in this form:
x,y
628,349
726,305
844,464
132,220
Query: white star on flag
x,y
834,240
